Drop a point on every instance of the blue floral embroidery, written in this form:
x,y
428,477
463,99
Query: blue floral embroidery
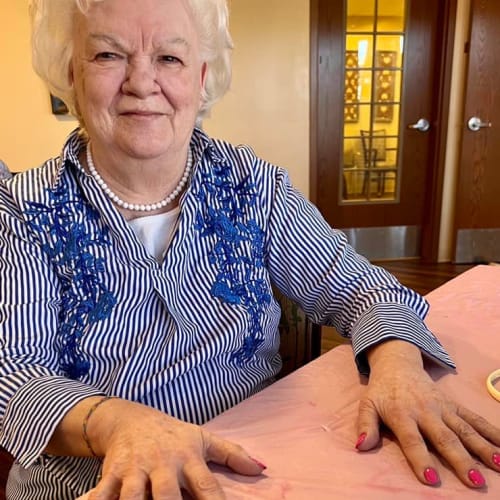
x,y
71,249
226,217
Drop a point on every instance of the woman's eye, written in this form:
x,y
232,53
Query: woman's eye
x,y
106,56
170,59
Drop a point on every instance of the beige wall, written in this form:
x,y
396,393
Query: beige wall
x,y
29,132
268,104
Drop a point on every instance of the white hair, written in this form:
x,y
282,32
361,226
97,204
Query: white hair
x,y
52,24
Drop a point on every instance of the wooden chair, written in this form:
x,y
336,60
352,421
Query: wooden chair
x,y
300,338
4,171
5,464
375,160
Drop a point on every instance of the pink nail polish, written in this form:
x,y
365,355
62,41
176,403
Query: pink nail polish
x,y
431,476
360,440
496,459
476,478
260,464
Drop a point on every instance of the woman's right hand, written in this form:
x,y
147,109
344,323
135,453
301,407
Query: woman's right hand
x,y
148,454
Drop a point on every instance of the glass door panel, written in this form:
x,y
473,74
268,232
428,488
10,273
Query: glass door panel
x,y
360,16
361,47
374,49
391,15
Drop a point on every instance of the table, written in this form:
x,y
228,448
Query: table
x,y
303,426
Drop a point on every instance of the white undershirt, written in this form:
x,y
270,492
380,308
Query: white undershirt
x,y
156,231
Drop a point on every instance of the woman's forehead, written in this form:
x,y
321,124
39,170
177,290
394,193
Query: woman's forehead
x,y
148,22
159,15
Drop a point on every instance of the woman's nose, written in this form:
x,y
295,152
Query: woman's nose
x,y
140,78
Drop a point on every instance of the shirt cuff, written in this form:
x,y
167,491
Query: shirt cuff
x,y
394,321
34,412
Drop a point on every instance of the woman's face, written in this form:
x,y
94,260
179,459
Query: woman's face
x,y
138,75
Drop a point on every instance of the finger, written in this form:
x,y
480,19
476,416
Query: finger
x,y
481,425
449,445
201,483
368,426
473,441
135,486
415,450
233,456
165,485
108,488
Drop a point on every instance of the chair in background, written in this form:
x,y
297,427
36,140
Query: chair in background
x,y
4,171
5,464
300,339
375,161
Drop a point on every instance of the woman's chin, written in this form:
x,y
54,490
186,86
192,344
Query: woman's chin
x,y
147,146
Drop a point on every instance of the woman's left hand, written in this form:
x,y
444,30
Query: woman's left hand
x,y
402,395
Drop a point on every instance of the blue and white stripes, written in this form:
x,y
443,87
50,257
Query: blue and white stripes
x,y
191,336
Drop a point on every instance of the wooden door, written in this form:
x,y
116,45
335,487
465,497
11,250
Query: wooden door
x,y
381,205
477,216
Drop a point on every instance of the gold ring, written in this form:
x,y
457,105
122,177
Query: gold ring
x,y
493,377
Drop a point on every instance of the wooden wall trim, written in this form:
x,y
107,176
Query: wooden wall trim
x,y
432,215
313,100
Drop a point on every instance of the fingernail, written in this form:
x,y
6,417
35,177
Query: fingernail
x,y
496,459
260,464
431,476
476,478
360,440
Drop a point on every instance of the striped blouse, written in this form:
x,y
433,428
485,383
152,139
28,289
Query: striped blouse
x,y
86,310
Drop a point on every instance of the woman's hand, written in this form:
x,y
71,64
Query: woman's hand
x,y
148,454
403,396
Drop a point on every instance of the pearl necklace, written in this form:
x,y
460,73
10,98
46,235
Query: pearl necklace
x,y
139,207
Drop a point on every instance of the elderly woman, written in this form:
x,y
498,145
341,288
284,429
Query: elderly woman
x,y
136,273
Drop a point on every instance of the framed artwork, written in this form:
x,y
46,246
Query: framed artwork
x,y
385,62
58,106
351,103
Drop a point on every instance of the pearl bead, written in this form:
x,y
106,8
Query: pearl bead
x,y
139,207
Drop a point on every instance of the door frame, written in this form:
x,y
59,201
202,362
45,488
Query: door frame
x,y
319,170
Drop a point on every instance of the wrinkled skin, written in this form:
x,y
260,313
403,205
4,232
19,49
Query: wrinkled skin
x,y
148,453
403,396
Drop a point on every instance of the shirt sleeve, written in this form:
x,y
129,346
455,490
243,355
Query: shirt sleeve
x,y
315,266
34,397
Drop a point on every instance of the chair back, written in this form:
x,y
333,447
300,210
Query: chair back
x,y
5,464
300,339
374,146
4,171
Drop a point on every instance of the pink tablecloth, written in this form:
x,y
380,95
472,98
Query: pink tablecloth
x,y
303,427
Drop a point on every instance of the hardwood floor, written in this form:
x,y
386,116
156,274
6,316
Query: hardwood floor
x,y
423,278
414,274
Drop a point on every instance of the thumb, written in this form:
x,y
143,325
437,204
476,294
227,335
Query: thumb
x,y
233,456
368,426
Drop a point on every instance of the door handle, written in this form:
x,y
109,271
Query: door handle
x,y
422,125
475,124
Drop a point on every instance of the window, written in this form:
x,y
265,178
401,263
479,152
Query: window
x,y
374,49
